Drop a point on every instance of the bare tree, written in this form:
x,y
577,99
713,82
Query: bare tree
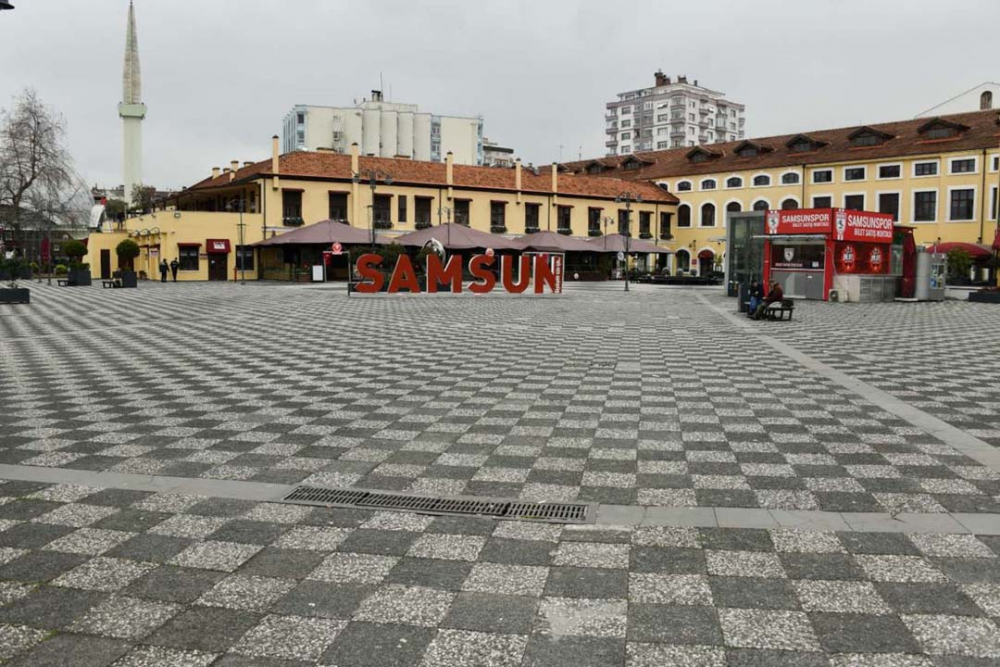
x,y
36,173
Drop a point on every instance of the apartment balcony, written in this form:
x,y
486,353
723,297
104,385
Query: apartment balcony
x,y
611,144
610,117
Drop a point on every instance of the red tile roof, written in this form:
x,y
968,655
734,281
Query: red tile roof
x,y
336,166
903,139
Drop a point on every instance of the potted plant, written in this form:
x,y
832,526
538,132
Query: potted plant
x,y
127,251
11,269
79,272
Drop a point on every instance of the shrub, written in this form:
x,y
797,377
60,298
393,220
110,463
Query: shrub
x,y
61,269
959,264
127,250
74,249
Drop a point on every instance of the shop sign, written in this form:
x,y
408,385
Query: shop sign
x,y
799,221
336,248
875,258
535,271
848,258
863,226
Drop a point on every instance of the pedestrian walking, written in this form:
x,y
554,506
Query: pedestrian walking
x,y
164,267
174,265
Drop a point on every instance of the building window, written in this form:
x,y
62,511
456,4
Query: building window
x,y
338,206
823,176
498,216
925,169
791,178
683,215
761,205
623,221
823,202
963,166
291,206
925,206
531,217
401,208
683,186
699,157
244,257
187,257
888,202
854,173
665,218
963,204
660,145
866,140
708,215
996,163
889,171
986,100
626,136
626,123
626,110
748,151
462,211
800,146
761,180
734,182
382,211
789,204
733,207
594,221
854,202
632,164
941,132
422,210
708,184
645,225
993,204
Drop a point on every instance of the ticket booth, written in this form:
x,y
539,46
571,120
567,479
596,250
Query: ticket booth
x,y
824,253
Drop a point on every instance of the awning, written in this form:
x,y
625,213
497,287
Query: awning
x,y
189,245
975,250
616,243
996,240
706,254
217,245
325,233
456,237
553,242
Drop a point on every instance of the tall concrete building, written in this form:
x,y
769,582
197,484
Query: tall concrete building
x,y
384,129
131,109
671,114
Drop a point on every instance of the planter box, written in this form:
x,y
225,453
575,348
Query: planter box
x,y
129,279
984,297
15,295
78,278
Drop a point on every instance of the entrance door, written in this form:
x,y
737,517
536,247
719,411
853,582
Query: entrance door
x,y
217,262
706,262
105,264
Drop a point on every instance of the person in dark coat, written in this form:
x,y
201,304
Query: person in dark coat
x,y
774,296
164,267
756,294
174,265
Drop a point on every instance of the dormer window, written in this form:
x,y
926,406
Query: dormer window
x,y
801,143
800,146
699,157
749,151
632,164
866,140
699,154
939,128
595,169
866,136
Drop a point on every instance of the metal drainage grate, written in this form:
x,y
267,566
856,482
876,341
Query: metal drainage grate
x,y
500,509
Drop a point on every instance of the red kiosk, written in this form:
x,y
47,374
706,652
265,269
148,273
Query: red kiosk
x,y
814,253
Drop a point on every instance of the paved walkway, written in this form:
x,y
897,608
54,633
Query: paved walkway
x,y
141,430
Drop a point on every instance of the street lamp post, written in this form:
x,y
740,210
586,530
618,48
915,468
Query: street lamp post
x,y
372,176
447,211
628,198
238,204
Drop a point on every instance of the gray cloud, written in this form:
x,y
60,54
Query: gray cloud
x,y
219,75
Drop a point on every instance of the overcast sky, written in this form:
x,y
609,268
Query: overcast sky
x,y
219,75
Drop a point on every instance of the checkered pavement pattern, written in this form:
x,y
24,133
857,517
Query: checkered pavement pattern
x,y
938,357
653,399
95,577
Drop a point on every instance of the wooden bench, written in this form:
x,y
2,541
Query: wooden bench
x,y
777,311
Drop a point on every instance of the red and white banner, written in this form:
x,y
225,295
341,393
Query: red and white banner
x,y
862,226
799,221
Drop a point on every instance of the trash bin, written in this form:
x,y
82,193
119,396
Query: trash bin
x,y
743,297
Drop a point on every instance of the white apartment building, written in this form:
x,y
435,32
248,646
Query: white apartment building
x,y
384,129
671,114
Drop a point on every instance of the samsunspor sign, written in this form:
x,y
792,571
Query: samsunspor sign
x,y
534,274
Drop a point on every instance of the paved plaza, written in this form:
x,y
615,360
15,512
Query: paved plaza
x,y
821,492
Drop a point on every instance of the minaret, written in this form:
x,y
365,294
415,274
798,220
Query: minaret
x,y
131,110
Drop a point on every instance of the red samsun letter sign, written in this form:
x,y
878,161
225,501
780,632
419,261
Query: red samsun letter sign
x,y
448,276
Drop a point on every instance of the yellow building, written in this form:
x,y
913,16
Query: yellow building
x,y
938,174
200,226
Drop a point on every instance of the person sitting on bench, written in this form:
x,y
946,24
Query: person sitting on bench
x,y
774,296
756,296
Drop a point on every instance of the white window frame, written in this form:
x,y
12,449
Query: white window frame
x,y
793,198
781,176
812,176
862,167
953,160
844,196
724,211
989,204
994,158
684,180
734,187
879,193
878,168
716,219
770,180
691,220
702,182
975,201
913,206
913,170
832,196
760,199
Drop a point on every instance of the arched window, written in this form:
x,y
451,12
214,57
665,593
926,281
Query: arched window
x,y
761,205
683,186
683,260
986,101
734,182
761,179
683,215
791,178
708,184
733,207
708,215
789,204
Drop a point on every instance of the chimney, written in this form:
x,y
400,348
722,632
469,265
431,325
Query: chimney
x,y
355,159
661,79
275,163
449,162
696,82
555,178
682,78
517,178
986,100
215,172
234,166
247,163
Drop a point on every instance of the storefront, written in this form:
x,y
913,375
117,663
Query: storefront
x,y
832,253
